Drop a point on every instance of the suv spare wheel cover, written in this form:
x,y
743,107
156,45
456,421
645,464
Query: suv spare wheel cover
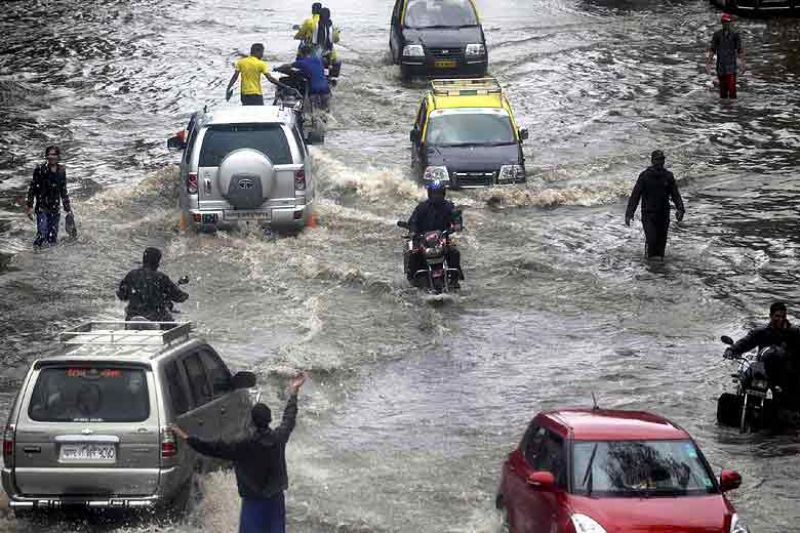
x,y
246,178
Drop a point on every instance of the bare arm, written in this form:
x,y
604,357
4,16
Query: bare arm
x,y
229,90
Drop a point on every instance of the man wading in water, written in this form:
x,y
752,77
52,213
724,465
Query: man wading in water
x,y
727,46
260,464
48,190
654,188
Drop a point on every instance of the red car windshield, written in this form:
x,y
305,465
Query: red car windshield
x,y
640,468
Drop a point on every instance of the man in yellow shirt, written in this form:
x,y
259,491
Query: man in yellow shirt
x,y
309,26
251,68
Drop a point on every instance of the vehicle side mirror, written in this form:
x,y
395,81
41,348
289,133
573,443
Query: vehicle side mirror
x,y
726,340
177,141
414,135
183,280
402,224
243,380
729,480
542,480
523,134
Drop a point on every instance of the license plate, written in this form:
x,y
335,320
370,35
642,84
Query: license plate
x,y
88,453
445,63
247,215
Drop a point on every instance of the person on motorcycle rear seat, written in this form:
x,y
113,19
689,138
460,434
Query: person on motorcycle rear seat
x,y
308,27
324,38
149,293
778,333
434,214
313,70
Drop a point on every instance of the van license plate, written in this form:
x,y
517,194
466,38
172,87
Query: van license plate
x,y
247,215
445,63
87,453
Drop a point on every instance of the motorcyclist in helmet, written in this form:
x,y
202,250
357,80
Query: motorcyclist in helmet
x,y
779,340
434,214
149,293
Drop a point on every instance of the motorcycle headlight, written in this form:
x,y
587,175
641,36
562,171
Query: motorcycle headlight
x,y
737,526
511,173
476,49
584,524
436,173
413,50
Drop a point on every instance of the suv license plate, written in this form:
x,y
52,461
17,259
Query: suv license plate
x,y
87,453
445,63
247,215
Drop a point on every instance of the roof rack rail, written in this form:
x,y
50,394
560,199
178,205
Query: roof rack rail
x,y
464,87
122,333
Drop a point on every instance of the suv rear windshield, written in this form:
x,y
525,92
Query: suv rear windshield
x,y
96,394
268,139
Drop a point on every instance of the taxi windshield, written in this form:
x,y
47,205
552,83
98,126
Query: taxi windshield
x,y
640,468
440,14
464,129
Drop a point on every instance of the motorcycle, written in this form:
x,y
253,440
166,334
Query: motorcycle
x,y
437,277
308,107
140,323
753,405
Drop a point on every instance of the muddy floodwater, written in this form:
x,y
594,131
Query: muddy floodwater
x,y
411,407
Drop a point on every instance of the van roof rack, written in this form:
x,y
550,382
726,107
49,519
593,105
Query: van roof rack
x,y
466,87
122,333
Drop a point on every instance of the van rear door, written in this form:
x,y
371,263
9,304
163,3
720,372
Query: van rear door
x,y
88,429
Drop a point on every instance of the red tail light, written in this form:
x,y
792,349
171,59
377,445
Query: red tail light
x,y
191,183
169,446
8,445
300,180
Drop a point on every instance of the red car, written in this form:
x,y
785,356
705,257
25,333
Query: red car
x,y
603,471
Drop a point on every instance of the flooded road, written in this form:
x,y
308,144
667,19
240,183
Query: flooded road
x,y
412,407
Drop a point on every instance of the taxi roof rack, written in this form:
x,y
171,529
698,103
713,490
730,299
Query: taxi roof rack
x,y
122,333
466,87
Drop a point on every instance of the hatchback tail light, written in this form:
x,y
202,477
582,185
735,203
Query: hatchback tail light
x,y
300,180
8,445
191,183
169,445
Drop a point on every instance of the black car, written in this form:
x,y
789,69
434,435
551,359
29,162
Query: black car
x,y
442,38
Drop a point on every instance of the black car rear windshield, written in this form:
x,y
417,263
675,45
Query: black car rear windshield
x,y
443,14
269,139
96,394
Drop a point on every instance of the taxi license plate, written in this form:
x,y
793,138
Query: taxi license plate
x,y
88,453
445,63
247,215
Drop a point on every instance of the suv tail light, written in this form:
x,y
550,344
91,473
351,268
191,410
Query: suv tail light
x,y
8,445
169,445
191,183
300,180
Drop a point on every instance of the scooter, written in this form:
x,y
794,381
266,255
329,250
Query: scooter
x,y
140,323
308,108
437,277
752,406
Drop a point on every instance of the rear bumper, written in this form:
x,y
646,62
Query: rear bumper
x,y
284,216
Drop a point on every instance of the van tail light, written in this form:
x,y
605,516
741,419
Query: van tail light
x,y
169,445
300,180
191,183
8,445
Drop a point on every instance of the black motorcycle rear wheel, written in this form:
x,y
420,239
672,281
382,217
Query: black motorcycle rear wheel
x,y
729,409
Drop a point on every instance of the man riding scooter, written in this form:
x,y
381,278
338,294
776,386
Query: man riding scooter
x,y
434,214
149,293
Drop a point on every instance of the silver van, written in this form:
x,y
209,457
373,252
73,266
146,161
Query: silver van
x,y
90,427
245,164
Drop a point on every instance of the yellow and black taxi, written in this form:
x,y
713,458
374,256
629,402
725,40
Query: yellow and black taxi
x,y
465,133
439,37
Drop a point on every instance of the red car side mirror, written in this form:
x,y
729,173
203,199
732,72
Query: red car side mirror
x,y
729,480
542,480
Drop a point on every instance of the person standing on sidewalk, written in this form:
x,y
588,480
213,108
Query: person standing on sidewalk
x,y
260,464
727,46
48,190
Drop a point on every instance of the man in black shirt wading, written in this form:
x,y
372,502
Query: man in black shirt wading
x,y
260,464
47,191
727,46
655,186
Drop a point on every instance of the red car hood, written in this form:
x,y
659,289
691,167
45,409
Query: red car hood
x,y
688,514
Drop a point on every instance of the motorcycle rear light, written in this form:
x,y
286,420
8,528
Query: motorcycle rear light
x,y
300,180
8,445
169,446
191,183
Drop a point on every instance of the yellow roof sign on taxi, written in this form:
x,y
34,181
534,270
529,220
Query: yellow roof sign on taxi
x,y
475,92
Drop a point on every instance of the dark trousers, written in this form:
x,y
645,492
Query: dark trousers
x,y
727,85
415,262
252,99
656,228
46,228
263,515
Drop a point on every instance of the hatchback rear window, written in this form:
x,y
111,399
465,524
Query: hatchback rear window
x,y
268,139
96,394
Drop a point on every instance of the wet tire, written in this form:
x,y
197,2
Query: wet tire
x,y
405,74
729,409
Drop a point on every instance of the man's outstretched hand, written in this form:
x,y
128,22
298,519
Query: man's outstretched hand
x,y
679,215
628,221
297,382
178,431
228,94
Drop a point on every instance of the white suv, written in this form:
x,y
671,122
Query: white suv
x,y
245,164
